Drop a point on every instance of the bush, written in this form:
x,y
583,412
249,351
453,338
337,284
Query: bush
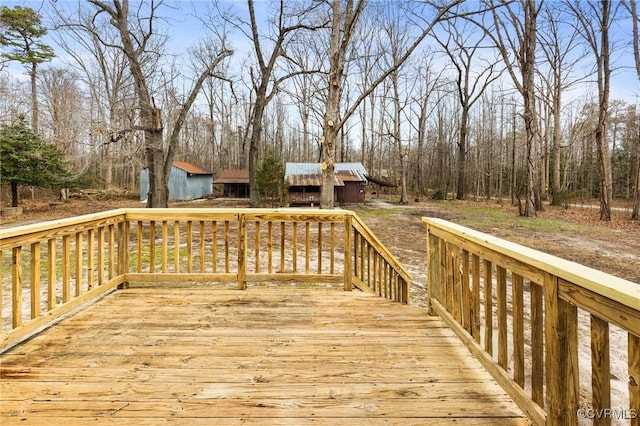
x,y
438,195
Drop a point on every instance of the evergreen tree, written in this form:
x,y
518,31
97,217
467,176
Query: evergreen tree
x,y
25,159
270,185
21,31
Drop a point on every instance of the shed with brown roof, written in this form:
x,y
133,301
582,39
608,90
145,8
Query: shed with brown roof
x,y
234,182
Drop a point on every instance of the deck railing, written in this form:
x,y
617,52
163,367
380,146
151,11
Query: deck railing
x,y
479,284
53,267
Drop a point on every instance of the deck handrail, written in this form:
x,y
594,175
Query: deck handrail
x,y
467,286
70,261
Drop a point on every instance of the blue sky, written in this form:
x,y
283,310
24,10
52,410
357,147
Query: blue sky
x,y
185,30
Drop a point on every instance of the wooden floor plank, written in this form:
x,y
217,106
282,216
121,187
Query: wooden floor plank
x,y
207,355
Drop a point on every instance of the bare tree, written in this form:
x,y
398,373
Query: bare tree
x,y
593,23
515,35
346,15
105,74
136,42
473,75
635,215
559,51
289,19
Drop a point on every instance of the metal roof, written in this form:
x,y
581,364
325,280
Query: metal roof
x,y
311,180
233,176
191,168
310,174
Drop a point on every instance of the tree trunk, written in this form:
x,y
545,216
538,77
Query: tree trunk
x,y
528,84
158,195
462,155
604,77
34,98
337,52
555,144
254,143
14,194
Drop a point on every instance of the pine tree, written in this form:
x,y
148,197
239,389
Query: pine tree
x,y
270,185
21,31
25,159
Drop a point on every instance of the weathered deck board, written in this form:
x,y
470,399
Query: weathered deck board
x,y
261,356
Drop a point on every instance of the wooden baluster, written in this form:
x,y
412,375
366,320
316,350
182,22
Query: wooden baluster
x,y
202,247
140,246
475,297
242,252
66,268
517,301
35,281
354,255
51,274
16,286
152,246
348,237
537,344
332,240
189,246
270,247
453,296
307,247
214,245
123,248
433,278
319,247
165,247
634,379
226,246
91,236
501,295
257,247
488,307
466,292
112,252
362,259
375,285
600,369
176,246
282,247
79,253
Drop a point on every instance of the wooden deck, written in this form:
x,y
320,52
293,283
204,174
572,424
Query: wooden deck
x,y
206,355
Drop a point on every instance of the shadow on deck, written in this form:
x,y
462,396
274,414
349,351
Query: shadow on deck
x,y
216,355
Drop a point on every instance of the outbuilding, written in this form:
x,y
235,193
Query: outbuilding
x,y
305,182
186,182
234,182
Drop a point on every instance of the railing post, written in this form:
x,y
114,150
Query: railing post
x,y
348,238
561,355
16,287
242,252
634,379
123,248
433,270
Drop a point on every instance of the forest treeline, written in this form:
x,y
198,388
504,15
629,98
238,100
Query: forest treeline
x,y
475,99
